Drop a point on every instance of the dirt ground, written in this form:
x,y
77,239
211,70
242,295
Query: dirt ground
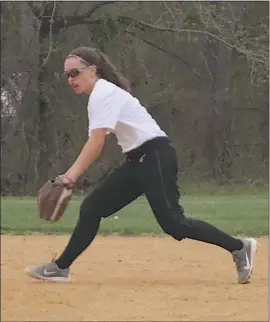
x,y
132,279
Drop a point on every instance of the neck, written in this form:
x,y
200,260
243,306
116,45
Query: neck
x,y
91,86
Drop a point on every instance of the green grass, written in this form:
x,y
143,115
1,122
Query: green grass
x,y
237,211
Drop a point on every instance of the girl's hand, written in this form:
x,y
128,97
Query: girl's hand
x,y
67,181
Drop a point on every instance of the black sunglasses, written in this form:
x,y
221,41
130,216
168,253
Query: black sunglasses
x,y
74,72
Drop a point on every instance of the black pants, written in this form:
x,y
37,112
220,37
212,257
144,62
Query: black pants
x,y
151,170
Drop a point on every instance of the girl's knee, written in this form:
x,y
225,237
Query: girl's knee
x,y
88,213
176,225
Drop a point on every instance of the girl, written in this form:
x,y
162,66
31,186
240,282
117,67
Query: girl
x,y
151,169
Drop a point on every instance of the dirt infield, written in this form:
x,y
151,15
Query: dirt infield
x,y
132,279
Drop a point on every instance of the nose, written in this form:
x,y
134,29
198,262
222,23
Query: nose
x,y
70,80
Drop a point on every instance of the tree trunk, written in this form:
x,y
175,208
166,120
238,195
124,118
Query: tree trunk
x,y
44,109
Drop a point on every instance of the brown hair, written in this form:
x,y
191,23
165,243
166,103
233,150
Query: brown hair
x,y
105,68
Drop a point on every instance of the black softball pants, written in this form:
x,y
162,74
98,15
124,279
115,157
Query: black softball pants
x,y
150,170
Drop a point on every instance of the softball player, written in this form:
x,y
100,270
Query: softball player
x,y
151,169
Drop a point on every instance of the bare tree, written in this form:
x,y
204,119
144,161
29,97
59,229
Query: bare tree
x,y
201,68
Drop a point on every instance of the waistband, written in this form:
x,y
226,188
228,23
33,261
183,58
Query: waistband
x,y
147,146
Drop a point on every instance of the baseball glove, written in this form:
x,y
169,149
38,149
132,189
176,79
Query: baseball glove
x,y
53,198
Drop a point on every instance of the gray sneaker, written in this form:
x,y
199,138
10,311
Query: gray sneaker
x,y
244,259
49,272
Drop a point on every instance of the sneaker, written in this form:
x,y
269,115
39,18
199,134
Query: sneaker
x,y
244,259
49,272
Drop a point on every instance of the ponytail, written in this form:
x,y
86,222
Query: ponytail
x,y
108,71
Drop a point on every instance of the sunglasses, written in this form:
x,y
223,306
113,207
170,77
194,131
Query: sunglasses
x,y
74,72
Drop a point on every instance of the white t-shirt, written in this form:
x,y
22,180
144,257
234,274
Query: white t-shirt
x,y
115,109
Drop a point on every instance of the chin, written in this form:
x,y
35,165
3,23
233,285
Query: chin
x,y
77,91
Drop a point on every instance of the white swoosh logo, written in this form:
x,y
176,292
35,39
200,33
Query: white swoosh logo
x,y
47,273
141,158
247,266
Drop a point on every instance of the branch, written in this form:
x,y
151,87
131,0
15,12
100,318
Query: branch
x,y
207,66
51,37
164,51
95,7
77,9
79,19
172,14
140,24
36,11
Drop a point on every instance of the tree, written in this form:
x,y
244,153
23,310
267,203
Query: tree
x,y
200,68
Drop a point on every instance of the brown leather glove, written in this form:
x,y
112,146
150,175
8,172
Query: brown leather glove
x,y
53,198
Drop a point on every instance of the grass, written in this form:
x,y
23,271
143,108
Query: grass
x,y
237,211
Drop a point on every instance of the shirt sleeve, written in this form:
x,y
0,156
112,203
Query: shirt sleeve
x,y
104,109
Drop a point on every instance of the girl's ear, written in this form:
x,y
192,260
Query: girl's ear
x,y
94,69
